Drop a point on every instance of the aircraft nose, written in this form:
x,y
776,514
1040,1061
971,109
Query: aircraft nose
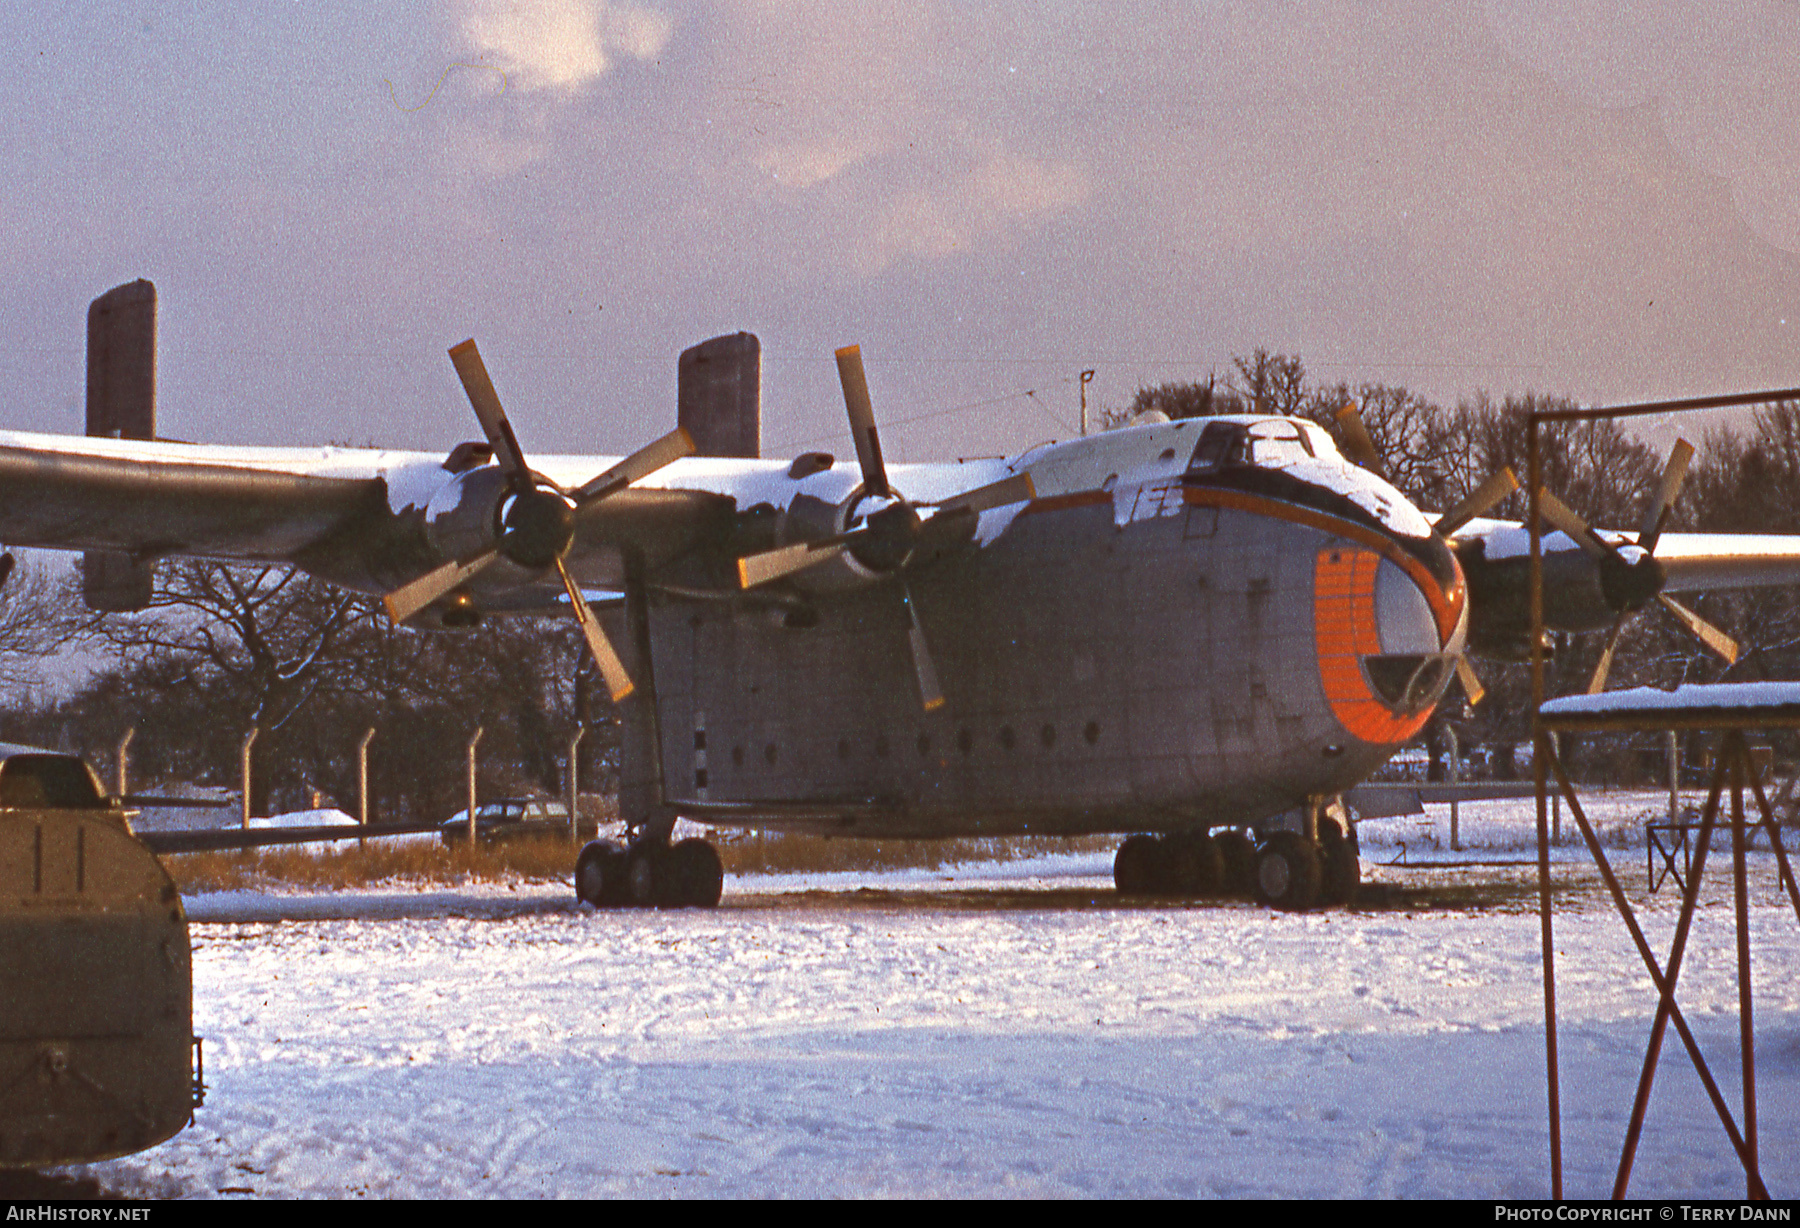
x,y
1387,628
1404,619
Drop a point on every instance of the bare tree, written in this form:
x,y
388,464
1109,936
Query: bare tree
x,y
38,619
269,632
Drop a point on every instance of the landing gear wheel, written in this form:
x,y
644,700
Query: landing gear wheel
x,y
1339,865
600,874
1237,857
1192,865
1135,867
690,876
1288,873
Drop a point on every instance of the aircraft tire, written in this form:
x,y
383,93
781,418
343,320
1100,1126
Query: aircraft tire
x,y
1192,864
1288,872
1237,863
1340,868
1135,866
600,874
690,875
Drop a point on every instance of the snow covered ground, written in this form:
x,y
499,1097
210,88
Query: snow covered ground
x,y
991,1030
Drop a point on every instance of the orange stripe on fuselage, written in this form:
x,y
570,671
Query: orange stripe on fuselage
x,y
1345,631
1446,607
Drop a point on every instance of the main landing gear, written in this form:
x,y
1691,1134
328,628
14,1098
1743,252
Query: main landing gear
x,y
648,873
1287,870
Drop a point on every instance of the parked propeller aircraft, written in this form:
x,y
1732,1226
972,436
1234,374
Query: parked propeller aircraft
x,y
1202,632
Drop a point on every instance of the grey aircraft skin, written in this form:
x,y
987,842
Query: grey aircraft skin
x,y
1132,654
1168,628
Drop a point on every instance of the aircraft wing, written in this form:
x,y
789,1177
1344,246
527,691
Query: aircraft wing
x,y
354,516
207,840
1697,561
1388,799
155,499
1693,561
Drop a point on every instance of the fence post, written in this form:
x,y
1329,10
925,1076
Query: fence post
x,y
1455,778
473,743
1556,795
124,744
362,781
249,741
575,787
1674,778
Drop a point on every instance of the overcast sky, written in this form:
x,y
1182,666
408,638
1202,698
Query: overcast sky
x,y
1581,197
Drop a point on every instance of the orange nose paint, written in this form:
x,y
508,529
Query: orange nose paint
x,y
1345,631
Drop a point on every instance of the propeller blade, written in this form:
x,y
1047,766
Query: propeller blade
x,y
862,421
1704,631
486,402
1356,439
1471,685
1657,515
415,595
618,681
755,569
1483,497
640,464
1017,489
1562,517
1597,683
930,693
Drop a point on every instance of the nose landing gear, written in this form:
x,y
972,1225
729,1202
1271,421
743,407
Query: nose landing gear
x,y
1287,871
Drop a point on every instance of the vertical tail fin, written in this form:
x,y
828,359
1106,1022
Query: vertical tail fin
x,y
719,401
121,404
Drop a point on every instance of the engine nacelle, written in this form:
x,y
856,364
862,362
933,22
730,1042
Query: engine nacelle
x,y
462,519
883,536
1581,593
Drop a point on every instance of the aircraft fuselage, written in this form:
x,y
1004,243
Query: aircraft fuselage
x,y
1154,647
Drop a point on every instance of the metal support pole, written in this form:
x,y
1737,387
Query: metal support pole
x,y
362,779
574,785
1087,377
124,745
473,743
1540,751
249,741
1746,1015
1455,778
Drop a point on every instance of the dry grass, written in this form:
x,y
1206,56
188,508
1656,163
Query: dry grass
x,y
380,861
385,861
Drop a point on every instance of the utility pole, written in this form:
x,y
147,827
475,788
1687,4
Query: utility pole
x,y
1087,377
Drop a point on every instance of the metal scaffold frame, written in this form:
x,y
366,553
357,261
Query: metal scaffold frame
x,y
1721,712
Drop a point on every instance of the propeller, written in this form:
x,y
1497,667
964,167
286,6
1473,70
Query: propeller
x,y
538,524
893,533
1356,438
1562,517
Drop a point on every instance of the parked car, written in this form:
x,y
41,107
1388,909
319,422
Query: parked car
x,y
513,818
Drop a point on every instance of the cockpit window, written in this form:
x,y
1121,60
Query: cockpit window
x,y
1269,444
1274,444
1221,443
